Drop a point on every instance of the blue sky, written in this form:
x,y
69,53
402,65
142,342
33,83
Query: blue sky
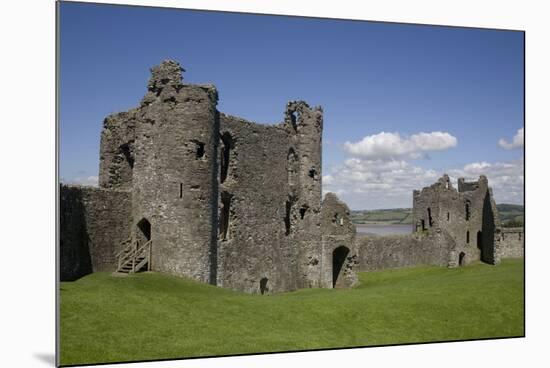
x,y
462,87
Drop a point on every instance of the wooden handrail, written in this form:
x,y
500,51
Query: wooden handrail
x,y
132,252
126,248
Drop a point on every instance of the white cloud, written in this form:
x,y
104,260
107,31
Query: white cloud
x,y
377,183
517,141
391,146
506,178
88,180
368,184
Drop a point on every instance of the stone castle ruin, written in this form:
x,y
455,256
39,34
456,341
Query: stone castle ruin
x,y
187,190
208,196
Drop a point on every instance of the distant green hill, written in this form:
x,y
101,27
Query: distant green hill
x,y
510,215
383,216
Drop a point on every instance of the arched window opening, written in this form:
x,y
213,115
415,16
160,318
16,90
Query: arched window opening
x,y
468,237
430,220
339,256
126,152
294,118
226,146
199,149
337,219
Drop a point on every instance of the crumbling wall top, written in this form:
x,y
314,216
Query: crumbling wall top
x,y
169,72
336,217
299,113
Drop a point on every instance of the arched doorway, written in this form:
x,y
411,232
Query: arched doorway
x,y
263,285
461,259
338,259
143,233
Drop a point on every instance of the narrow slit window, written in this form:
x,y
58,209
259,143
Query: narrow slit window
x,y
226,145
181,190
224,215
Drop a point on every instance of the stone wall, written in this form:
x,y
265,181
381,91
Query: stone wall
x,y
468,215
256,252
304,126
93,224
224,200
116,152
270,202
339,252
512,243
174,178
394,251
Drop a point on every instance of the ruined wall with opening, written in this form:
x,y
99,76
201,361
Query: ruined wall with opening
x,y
224,200
451,228
468,215
252,240
339,253
174,180
116,152
304,125
93,223
269,204
512,243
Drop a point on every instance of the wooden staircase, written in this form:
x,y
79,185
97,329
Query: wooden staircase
x,y
134,256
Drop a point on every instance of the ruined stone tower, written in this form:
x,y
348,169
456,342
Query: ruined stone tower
x,y
469,215
221,199
165,153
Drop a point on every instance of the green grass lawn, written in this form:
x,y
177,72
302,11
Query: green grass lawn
x,y
154,316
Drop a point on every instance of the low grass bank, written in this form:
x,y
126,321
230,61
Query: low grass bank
x,y
154,316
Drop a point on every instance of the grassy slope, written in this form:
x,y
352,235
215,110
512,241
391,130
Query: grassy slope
x,y
153,316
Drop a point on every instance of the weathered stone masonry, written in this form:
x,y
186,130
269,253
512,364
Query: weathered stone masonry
x,y
225,201
452,227
94,222
237,204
